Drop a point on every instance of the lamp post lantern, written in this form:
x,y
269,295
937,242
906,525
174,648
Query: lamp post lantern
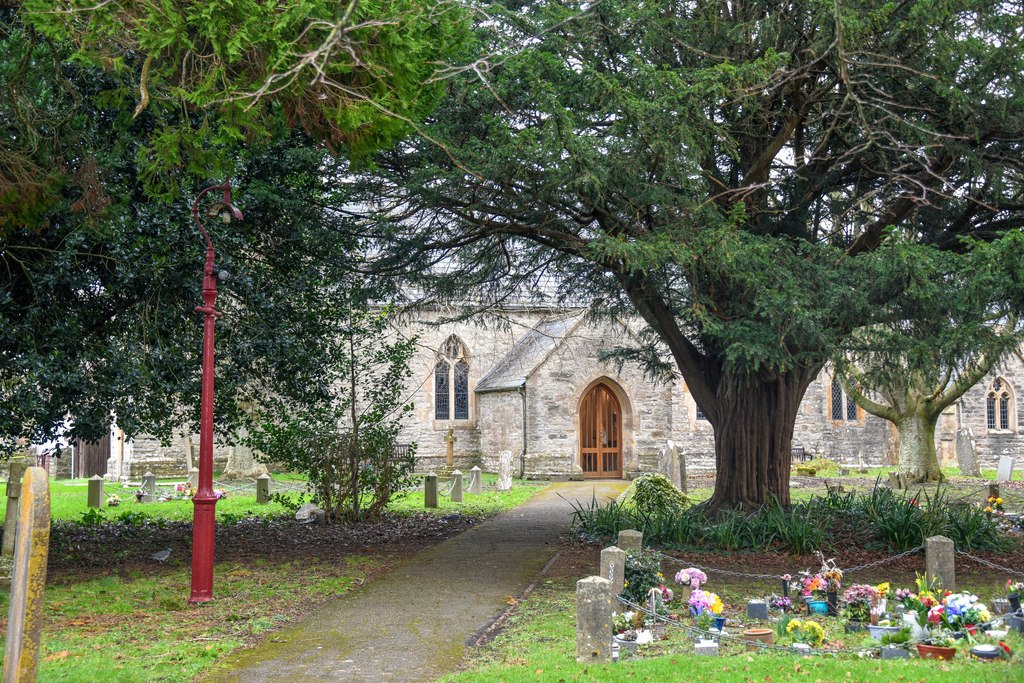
x,y
205,501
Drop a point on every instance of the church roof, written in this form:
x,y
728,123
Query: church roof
x,y
528,353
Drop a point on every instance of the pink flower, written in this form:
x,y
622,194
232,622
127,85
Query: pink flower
x,y
786,577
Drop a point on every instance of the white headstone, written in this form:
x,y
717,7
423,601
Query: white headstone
x,y
505,470
1005,468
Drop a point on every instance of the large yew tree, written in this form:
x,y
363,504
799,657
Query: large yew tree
x,y
726,170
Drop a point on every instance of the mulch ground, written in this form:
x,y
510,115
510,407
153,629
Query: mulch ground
x,y
78,552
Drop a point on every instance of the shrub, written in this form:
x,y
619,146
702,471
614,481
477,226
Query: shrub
x,y
641,573
655,496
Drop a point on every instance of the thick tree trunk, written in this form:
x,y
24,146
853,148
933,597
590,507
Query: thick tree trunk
x,y
918,459
753,438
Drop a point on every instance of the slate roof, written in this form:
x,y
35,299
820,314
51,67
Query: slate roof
x,y
527,354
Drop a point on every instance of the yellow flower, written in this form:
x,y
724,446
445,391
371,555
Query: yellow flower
x,y
716,605
883,589
988,508
999,501
991,499
793,625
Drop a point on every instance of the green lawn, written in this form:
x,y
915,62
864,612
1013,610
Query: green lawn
x,y
539,645
140,628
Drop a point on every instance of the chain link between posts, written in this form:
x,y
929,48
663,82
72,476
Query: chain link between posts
x,y
987,563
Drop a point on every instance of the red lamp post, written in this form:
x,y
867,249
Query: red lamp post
x,y
205,501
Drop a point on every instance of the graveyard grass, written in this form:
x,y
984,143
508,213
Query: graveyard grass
x,y
538,644
140,628
68,501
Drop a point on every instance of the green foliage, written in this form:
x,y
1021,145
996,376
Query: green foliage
x,y
898,638
654,495
641,574
345,444
93,517
355,78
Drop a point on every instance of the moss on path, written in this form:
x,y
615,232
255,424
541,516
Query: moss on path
x,y
412,623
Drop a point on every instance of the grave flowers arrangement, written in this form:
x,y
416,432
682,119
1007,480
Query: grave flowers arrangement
x,y
113,500
220,493
995,506
705,606
858,598
691,577
1014,587
780,602
960,610
813,586
806,632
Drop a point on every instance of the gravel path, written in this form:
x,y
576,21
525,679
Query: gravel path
x,y
412,624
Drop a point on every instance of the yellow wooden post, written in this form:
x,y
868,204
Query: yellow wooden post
x,y
28,582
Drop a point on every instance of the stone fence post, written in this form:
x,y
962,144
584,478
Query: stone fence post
x,y
13,496
594,620
28,582
95,492
456,494
939,561
613,567
631,539
263,488
430,490
149,487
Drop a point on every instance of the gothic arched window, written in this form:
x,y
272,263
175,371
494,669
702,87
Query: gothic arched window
x,y
451,382
842,407
999,406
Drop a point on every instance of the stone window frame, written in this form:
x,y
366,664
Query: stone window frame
x,y
451,371
860,416
1000,407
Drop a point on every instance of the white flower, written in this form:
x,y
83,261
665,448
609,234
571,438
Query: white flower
x,y
644,637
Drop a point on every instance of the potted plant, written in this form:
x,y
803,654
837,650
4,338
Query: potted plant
x,y
1014,589
806,633
858,599
884,628
813,591
780,602
709,605
938,647
690,579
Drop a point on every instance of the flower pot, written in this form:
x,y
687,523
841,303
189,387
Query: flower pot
x,y
627,648
718,624
916,631
878,631
817,607
832,598
1014,600
985,652
935,652
758,635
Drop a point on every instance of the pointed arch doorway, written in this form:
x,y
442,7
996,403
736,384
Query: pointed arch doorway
x,y
600,434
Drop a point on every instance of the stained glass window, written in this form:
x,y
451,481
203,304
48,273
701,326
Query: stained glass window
x,y
990,413
1004,412
441,402
842,408
837,400
461,390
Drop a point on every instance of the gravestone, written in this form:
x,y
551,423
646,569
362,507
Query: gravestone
x,y
95,491
1000,606
594,619
966,456
13,496
149,487
705,647
672,464
28,581
449,454
894,652
939,561
430,490
757,609
476,481
505,471
1005,472
613,567
631,540
263,488
456,494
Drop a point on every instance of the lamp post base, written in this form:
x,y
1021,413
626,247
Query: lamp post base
x,y
203,531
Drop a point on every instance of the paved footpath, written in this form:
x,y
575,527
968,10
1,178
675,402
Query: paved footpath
x,y
412,623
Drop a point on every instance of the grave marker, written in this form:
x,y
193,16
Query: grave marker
x,y
95,491
28,582
430,490
449,455
193,477
263,488
505,471
1005,472
13,496
966,456
939,561
148,487
631,539
593,620
456,495
613,567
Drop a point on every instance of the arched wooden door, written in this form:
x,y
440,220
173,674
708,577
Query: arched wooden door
x,y
600,433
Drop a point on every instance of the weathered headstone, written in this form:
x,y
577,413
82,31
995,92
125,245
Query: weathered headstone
x,y
148,487
1000,606
193,478
631,539
263,489
95,491
939,561
28,582
613,567
894,652
456,494
430,490
449,454
13,496
1005,471
966,456
705,647
680,458
593,620
476,481
505,470
993,492
757,609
